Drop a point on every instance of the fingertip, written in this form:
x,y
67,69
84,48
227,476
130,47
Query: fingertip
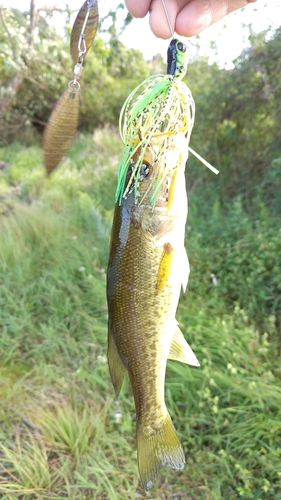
x,y
194,18
138,9
158,21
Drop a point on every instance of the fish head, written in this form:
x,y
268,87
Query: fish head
x,y
152,177
154,171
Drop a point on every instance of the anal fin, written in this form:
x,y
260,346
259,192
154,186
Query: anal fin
x,y
116,368
181,351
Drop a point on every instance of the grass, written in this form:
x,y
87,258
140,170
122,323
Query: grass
x,y
62,433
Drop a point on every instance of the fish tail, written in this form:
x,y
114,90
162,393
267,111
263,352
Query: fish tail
x,y
158,448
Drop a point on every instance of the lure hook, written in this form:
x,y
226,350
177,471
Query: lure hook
x,y
168,18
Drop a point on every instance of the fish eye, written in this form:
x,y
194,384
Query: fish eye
x,y
181,47
145,170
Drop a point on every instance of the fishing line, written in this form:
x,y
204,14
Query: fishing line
x,y
168,18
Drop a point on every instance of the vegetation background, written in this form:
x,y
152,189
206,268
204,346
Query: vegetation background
x,y
62,433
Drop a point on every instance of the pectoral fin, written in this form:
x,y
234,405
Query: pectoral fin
x,y
116,368
165,267
181,351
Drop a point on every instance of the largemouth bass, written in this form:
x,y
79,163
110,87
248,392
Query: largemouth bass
x,y
147,267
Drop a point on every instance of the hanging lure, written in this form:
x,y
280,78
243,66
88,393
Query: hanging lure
x,y
162,110
63,122
165,108
61,128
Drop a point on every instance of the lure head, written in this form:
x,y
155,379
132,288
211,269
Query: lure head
x,y
177,59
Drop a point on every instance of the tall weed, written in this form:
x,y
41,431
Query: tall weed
x,y
57,403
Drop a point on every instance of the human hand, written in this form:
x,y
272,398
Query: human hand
x,y
187,17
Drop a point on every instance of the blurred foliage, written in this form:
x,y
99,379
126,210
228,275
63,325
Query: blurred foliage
x,y
110,72
237,128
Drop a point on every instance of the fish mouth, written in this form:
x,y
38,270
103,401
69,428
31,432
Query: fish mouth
x,y
161,204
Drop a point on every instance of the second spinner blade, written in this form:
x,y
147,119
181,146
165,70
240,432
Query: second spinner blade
x,y
90,29
61,128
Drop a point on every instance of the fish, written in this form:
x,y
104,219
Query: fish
x,y
148,264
